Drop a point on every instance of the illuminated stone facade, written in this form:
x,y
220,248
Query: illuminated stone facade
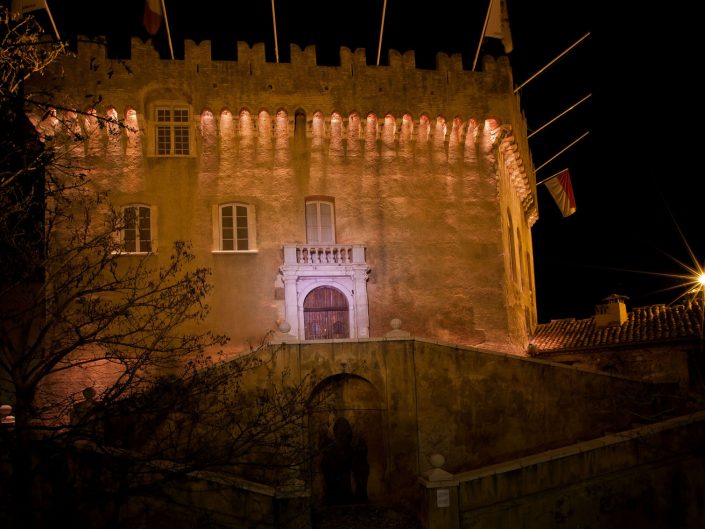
x,y
410,193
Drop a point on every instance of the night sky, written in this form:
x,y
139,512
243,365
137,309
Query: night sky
x,y
637,177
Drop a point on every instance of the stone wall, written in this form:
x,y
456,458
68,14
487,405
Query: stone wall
x,y
650,477
658,362
424,167
472,406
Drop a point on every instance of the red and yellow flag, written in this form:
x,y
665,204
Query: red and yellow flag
x,y
152,16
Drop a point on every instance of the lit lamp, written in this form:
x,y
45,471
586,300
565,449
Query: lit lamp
x,y
700,285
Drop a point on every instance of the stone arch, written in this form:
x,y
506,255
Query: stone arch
x,y
457,128
441,129
407,127
318,125
111,121
90,123
208,126
264,117
336,133
227,126
371,124
424,128
281,115
246,125
130,112
348,435
299,124
354,125
389,130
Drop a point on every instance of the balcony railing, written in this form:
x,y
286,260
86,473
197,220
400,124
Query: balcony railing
x,y
324,254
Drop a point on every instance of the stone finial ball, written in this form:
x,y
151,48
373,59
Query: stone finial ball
x,y
284,326
436,460
88,393
395,323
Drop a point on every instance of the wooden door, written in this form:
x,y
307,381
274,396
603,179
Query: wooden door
x,y
326,314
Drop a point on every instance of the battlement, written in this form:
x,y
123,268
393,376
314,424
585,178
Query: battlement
x,y
448,108
303,72
200,53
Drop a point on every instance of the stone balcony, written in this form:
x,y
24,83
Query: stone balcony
x,y
323,254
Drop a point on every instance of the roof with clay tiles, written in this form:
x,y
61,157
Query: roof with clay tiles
x,y
653,323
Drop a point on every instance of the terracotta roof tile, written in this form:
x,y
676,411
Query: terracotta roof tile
x,y
653,323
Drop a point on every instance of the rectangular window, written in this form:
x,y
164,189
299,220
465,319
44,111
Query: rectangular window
x,y
172,132
137,233
320,225
236,227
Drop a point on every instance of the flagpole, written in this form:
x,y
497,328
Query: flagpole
x,y
550,63
552,176
276,44
168,33
381,31
482,35
558,116
559,153
51,19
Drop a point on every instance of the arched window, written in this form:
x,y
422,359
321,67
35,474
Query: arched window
x,y
236,227
320,222
137,236
512,250
522,271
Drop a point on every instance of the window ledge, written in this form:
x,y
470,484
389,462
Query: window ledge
x,y
227,252
172,156
138,254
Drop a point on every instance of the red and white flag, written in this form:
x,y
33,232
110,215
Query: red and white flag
x,y
152,16
562,192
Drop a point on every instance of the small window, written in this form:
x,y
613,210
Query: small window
x,y
320,222
237,228
172,132
137,231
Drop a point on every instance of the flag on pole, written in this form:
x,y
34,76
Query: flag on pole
x,y
152,16
562,192
498,24
20,7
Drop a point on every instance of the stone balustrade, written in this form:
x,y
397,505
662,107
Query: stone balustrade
x,y
324,254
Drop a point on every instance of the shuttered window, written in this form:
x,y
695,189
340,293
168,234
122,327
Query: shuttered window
x,y
320,222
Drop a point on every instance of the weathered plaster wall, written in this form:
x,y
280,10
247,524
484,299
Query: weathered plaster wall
x,y
473,407
649,477
418,188
655,363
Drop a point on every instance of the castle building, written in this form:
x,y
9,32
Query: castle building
x,y
327,200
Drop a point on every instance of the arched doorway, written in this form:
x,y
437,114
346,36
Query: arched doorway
x,y
347,436
326,314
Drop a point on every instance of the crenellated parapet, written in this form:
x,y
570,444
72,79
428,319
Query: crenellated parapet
x,y
252,82
344,110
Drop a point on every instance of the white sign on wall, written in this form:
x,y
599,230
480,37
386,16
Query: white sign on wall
x,y
442,497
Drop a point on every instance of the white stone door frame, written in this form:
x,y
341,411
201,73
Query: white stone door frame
x,y
300,278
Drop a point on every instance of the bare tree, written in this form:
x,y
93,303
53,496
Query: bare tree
x,y
73,305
